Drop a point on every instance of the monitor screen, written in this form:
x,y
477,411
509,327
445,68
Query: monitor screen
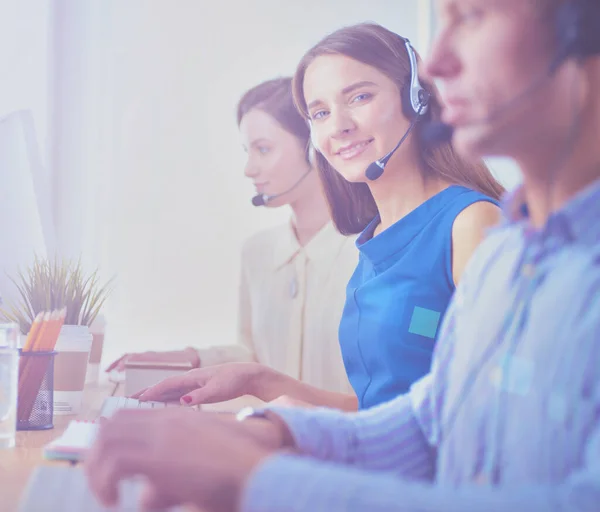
x,y
26,226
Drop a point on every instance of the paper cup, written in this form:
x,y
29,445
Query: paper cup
x,y
70,368
97,329
93,368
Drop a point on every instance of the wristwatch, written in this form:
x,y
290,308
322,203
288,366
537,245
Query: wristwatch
x,y
286,441
250,412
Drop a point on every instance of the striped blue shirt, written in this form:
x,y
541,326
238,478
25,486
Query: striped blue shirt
x,y
508,419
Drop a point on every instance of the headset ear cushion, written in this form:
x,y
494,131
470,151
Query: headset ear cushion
x,y
407,108
577,29
567,29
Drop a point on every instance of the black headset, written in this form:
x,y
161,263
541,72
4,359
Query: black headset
x,y
577,30
415,105
415,98
577,36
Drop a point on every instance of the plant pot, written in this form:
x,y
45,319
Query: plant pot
x,y
70,368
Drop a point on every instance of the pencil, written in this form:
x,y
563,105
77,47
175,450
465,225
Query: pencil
x,y
34,329
35,368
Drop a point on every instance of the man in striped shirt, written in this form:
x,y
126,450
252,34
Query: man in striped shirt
x,y
509,417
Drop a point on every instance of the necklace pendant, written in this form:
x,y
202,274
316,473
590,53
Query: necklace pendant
x,y
293,288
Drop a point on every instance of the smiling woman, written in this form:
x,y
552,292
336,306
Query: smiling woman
x,y
419,221
358,76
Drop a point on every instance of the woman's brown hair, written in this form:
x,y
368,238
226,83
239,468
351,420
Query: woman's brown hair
x,y
274,97
352,205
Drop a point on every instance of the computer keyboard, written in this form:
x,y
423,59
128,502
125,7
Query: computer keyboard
x,y
113,403
65,489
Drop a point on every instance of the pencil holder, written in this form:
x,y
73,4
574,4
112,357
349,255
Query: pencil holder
x,y
36,390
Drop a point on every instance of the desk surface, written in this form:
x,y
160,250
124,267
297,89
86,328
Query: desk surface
x,y
17,464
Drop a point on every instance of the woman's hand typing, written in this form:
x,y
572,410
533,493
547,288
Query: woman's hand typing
x,y
206,385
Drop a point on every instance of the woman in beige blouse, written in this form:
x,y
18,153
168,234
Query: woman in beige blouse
x,y
294,276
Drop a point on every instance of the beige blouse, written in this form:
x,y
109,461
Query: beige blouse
x,y
291,302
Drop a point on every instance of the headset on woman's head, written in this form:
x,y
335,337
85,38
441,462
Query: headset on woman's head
x,y
415,104
415,100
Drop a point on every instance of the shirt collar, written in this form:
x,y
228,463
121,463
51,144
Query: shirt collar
x,y
325,245
577,219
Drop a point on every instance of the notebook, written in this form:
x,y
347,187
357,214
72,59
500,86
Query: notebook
x,y
65,489
142,375
74,442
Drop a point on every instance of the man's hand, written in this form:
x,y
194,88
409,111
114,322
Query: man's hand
x,y
186,456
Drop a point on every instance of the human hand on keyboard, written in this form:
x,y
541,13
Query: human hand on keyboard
x,y
207,385
185,457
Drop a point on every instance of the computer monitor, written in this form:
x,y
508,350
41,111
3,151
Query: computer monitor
x,y
26,225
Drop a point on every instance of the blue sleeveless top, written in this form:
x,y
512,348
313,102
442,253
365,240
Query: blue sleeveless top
x,y
397,295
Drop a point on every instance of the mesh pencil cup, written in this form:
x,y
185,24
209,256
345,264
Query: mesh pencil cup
x,y
35,407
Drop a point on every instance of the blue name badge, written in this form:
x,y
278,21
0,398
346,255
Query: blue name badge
x,y
513,375
424,322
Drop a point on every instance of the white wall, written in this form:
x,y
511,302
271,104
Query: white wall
x,y
145,94
506,172
25,219
134,107
24,104
24,62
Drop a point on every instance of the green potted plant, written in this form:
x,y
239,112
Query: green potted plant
x,y
50,285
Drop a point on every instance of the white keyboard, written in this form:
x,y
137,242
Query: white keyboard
x,y
113,403
65,489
